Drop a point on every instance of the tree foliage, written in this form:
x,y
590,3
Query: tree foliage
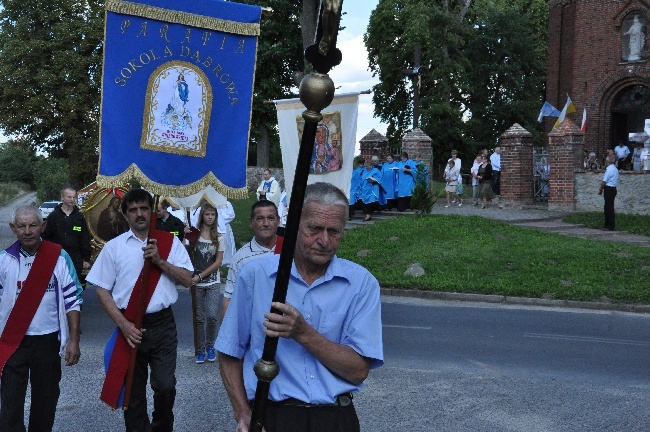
x,y
17,162
279,57
50,53
485,61
51,174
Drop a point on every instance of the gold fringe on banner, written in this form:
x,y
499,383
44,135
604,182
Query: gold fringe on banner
x,y
184,18
133,172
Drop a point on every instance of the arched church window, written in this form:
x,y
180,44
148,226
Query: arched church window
x,y
633,37
632,99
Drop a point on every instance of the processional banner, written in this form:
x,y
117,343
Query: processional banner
x,y
333,153
177,95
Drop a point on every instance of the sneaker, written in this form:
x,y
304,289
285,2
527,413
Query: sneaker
x,y
461,204
212,355
200,358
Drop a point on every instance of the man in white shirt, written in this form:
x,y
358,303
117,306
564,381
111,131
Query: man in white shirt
x,y
608,188
115,275
622,155
39,323
495,161
264,222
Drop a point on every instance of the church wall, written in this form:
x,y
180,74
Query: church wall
x,y
631,193
585,59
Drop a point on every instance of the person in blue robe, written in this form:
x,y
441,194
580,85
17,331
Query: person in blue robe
x,y
370,186
388,193
355,189
405,181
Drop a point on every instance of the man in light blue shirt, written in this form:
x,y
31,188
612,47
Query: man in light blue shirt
x,y
608,186
495,161
330,328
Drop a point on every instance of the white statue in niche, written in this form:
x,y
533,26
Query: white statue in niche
x,y
637,40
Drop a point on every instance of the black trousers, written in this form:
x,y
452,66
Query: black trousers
x,y
610,194
371,208
289,418
157,351
496,182
36,360
403,203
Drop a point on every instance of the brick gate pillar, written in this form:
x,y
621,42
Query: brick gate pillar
x,y
516,167
565,145
417,143
374,144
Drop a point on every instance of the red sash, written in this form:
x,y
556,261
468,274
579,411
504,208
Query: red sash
x,y
119,363
28,300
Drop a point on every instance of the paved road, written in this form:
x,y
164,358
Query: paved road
x,y
449,367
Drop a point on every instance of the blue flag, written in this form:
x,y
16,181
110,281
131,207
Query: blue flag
x,y
548,110
177,95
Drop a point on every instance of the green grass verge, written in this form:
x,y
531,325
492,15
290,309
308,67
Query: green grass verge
x,y
9,191
476,255
633,224
240,227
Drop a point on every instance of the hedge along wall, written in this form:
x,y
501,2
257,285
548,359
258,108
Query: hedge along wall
x,y
632,192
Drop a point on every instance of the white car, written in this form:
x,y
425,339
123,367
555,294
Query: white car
x,y
48,207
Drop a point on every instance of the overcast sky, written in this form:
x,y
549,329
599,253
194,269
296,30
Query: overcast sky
x,y
352,74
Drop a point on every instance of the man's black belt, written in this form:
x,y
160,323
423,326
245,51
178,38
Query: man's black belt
x,y
342,400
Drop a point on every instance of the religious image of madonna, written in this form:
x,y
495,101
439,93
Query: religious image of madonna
x,y
326,156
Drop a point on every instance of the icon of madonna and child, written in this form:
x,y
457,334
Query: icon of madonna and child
x,y
326,156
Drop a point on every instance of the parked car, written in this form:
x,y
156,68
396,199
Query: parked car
x,y
48,207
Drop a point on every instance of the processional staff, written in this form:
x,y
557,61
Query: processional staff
x,y
316,93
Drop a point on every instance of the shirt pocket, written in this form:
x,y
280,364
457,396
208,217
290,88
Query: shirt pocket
x,y
331,326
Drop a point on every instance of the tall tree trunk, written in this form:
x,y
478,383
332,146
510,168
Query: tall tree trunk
x,y
263,147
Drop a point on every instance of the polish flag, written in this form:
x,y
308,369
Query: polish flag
x,y
583,127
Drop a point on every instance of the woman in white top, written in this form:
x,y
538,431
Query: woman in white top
x,y
452,177
207,256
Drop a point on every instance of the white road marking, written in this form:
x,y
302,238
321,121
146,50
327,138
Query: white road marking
x,y
586,339
407,327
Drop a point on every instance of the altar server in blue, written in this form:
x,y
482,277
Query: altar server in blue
x,y
370,187
355,188
405,181
388,192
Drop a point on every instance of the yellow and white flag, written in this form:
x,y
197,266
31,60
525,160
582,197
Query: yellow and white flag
x,y
568,109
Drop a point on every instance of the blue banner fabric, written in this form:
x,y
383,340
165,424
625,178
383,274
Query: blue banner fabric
x,y
177,95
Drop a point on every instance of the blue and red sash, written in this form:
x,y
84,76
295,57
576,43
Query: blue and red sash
x,y
28,300
112,390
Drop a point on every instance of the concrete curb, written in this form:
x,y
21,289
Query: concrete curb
x,y
525,301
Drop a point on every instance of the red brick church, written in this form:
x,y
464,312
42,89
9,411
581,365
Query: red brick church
x,y
598,54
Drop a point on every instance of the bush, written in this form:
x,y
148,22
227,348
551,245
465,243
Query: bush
x,y
422,199
51,174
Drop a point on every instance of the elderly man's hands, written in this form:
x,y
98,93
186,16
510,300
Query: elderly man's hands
x,y
290,324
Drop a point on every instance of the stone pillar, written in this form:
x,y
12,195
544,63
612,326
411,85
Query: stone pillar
x,y
374,144
516,167
565,145
416,143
